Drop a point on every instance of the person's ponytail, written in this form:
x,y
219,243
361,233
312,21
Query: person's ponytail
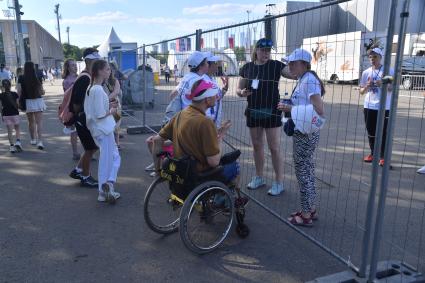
x,y
322,85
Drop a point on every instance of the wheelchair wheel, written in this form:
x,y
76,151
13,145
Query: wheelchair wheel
x,y
206,217
161,210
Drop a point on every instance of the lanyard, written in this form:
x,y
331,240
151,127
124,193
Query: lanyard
x,y
375,75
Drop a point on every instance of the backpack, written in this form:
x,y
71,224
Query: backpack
x,y
64,114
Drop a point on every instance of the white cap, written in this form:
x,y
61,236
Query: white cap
x,y
196,58
378,51
299,54
212,58
306,119
93,56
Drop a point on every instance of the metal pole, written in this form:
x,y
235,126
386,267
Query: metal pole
x,y
378,142
21,57
67,31
198,39
389,142
268,27
144,85
57,19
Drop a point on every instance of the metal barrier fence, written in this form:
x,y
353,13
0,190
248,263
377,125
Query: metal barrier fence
x,y
367,214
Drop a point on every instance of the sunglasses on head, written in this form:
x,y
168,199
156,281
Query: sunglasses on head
x,y
265,43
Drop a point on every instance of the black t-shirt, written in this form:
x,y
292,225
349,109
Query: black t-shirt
x,y
9,105
78,95
268,74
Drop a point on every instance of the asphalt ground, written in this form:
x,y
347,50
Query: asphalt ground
x,y
53,230
343,179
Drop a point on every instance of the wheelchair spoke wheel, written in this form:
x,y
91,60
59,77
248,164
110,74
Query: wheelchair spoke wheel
x,y
161,210
206,217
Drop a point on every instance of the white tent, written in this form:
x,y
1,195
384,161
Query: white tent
x,y
112,39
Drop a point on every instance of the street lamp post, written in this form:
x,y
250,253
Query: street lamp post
x,y
21,57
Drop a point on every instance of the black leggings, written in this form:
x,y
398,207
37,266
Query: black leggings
x,y
371,118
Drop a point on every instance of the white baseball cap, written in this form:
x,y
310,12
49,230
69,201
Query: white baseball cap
x,y
196,58
306,119
299,54
378,51
212,58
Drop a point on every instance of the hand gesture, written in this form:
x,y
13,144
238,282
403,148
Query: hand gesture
x,y
369,82
246,92
225,81
224,127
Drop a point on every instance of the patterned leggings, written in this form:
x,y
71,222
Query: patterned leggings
x,y
303,152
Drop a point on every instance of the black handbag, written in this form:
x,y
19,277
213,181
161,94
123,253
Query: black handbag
x,y
289,127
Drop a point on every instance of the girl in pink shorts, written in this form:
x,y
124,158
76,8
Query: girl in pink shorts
x,y
10,115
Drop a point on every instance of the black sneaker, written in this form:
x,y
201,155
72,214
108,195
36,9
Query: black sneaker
x,y
89,182
75,175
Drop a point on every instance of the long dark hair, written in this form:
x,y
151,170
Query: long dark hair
x,y
322,86
32,84
110,82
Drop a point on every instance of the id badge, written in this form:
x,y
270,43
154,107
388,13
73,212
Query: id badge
x,y
255,84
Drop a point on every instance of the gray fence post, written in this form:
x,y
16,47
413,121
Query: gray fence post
x,y
198,39
378,142
144,86
389,142
268,27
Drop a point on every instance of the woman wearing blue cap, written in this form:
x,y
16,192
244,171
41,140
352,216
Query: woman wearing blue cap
x,y
308,91
259,83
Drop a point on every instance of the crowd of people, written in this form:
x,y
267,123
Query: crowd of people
x,y
193,123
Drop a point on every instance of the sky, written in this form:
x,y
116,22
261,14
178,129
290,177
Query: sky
x,y
141,21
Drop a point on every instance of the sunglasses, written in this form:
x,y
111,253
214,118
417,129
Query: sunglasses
x,y
265,43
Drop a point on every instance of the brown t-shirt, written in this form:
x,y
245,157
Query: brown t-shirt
x,y
192,134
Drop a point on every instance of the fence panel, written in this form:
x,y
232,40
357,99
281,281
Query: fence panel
x,y
338,36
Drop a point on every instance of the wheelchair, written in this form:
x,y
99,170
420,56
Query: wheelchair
x,y
201,207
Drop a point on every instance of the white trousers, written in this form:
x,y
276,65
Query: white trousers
x,y
109,159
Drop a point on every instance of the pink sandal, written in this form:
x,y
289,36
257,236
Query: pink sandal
x,y
300,220
313,214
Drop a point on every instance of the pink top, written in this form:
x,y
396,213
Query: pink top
x,y
69,81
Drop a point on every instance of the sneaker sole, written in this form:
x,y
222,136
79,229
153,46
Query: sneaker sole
x,y
18,148
256,188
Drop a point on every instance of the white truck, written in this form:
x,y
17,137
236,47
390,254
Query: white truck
x,y
342,57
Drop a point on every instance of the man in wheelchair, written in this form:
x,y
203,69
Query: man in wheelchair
x,y
194,135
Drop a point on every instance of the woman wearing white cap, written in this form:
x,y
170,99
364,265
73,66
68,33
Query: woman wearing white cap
x,y
308,91
370,84
259,83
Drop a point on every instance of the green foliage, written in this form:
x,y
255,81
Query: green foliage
x,y
163,58
240,53
72,52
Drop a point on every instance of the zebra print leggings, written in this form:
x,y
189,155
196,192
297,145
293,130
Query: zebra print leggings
x,y
303,152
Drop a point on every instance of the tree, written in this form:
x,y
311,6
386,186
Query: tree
x,y
240,54
72,52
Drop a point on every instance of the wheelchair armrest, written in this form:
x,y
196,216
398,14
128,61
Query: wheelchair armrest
x,y
210,172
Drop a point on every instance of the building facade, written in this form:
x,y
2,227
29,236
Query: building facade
x,y
40,46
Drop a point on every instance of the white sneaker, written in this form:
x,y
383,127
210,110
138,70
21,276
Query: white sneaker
x,y
150,167
108,194
152,174
421,170
256,182
67,131
33,142
12,149
18,146
276,189
40,145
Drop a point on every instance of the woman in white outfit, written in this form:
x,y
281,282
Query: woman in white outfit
x,y
100,121
32,91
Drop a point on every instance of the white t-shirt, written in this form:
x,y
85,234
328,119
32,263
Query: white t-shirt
x,y
307,86
214,113
185,86
372,97
96,106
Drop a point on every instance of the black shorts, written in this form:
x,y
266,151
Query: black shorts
x,y
84,134
274,121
